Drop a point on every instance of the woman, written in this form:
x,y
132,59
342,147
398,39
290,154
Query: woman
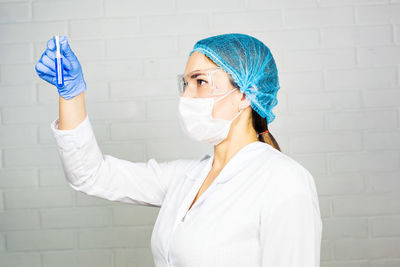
x,y
246,205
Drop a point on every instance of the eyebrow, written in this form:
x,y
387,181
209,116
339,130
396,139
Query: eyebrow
x,y
195,75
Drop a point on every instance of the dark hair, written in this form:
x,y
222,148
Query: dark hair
x,y
260,125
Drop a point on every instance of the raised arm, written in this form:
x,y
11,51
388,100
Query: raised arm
x,y
90,171
85,167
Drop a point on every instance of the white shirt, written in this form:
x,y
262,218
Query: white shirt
x,y
262,210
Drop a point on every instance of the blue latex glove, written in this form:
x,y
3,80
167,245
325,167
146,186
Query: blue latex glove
x,y
74,83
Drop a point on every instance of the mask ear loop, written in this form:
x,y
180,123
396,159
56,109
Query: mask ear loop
x,y
227,93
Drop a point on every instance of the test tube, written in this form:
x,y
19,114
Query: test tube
x,y
59,65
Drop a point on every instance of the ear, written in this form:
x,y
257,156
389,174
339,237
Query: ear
x,y
244,102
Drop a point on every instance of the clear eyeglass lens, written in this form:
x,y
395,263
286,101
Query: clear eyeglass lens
x,y
199,83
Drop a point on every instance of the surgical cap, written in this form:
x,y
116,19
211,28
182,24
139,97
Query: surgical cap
x,y
250,64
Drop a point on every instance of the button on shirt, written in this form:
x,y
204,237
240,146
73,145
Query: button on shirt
x,y
261,210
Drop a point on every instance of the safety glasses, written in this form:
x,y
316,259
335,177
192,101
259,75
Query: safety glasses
x,y
201,83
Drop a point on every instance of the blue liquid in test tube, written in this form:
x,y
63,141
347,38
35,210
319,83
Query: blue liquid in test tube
x,y
59,65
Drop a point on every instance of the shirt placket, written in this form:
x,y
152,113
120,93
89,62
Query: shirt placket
x,y
183,210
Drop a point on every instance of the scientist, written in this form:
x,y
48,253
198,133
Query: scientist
x,y
248,204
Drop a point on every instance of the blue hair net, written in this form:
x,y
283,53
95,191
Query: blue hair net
x,y
250,64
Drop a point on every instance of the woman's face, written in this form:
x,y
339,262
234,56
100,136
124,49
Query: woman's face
x,y
227,107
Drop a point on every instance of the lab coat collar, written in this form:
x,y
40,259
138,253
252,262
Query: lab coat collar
x,y
237,162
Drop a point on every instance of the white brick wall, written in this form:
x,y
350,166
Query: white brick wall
x,y
338,114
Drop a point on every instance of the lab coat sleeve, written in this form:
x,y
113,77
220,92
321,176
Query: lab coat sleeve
x,y
90,171
290,233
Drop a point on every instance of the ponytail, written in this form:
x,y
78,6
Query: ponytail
x,y
261,126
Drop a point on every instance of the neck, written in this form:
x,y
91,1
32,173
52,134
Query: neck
x,y
240,135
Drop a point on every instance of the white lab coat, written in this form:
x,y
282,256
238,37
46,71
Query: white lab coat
x,y
261,211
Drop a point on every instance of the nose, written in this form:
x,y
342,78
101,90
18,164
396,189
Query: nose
x,y
185,93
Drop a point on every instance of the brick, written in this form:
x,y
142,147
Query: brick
x,y
31,31
378,13
364,161
29,114
343,228
385,140
30,156
18,135
258,4
324,100
112,70
15,53
140,217
383,182
316,59
13,12
144,88
321,16
366,205
351,2
19,220
378,56
132,110
381,98
360,120
346,263
40,240
165,67
115,237
50,10
19,74
366,248
164,109
302,80
104,28
31,259
327,142
172,24
76,217
362,78
356,35
385,226
290,39
141,47
136,256
78,258
17,95
122,8
19,177
254,20
145,130
385,262
37,198
188,6
339,184
52,177
299,122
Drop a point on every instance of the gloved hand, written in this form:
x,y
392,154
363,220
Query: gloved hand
x,y
74,83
